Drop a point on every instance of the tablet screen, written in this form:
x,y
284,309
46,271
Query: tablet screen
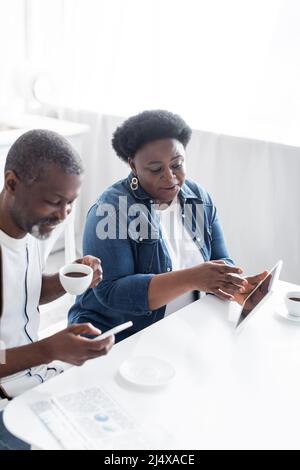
x,y
259,293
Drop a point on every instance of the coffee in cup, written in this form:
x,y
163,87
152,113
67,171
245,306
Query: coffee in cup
x,y
292,302
74,274
75,278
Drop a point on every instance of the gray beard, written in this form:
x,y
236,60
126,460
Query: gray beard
x,y
35,232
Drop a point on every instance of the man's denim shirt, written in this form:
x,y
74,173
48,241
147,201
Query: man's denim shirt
x,y
131,256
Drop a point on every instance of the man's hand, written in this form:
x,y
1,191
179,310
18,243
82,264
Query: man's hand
x,y
69,346
240,297
95,264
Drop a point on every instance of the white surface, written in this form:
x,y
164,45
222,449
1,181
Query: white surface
x,y
148,371
229,391
241,60
254,187
23,122
283,312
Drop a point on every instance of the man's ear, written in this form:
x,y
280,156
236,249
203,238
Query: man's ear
x,y
132,166
10,181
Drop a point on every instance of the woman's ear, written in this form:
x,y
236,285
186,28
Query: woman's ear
x,y
132,166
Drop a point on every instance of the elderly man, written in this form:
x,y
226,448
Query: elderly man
x,y
43,175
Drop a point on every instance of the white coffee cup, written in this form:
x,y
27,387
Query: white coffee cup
x,y
75,278
293,306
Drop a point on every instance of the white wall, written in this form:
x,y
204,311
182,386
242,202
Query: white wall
x,y
12,52
255,187
213,61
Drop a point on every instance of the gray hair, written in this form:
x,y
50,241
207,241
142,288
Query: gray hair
x,y
35,150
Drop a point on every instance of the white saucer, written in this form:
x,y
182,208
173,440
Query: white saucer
x,y
147,371
283,312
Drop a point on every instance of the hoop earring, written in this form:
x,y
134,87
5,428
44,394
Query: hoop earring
x,y
134,184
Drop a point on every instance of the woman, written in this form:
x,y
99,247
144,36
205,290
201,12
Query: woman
x,y
156,232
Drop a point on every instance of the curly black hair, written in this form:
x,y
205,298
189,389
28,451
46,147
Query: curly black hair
x,y
146,127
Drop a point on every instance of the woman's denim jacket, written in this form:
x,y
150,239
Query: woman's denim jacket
x,y
124,232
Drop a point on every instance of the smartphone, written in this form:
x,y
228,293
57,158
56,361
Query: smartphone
x,y
114,331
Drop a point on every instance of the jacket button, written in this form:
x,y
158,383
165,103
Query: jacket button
x,y
198,239
151,202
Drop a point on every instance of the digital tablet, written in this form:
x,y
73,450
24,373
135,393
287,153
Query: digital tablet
x,y
261,292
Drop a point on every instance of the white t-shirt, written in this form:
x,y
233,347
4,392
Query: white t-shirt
x,y
19,323
181,248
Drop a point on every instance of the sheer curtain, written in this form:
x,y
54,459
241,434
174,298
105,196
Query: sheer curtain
x,y
228,67
12,50
222,64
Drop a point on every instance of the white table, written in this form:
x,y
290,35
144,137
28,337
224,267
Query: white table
x,y
230,390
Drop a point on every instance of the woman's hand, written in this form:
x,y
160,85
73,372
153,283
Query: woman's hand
x,y
219,278
252,282
215,277
95,264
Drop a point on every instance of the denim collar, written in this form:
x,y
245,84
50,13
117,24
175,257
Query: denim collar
x,y
185,192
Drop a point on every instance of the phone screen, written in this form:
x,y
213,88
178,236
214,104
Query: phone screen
x,y
114,331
